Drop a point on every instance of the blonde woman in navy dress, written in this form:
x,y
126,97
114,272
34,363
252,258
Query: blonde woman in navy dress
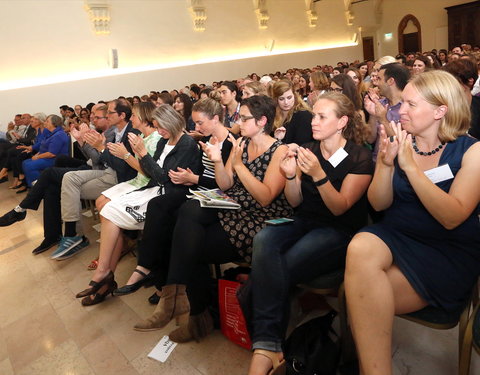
x,y
426,251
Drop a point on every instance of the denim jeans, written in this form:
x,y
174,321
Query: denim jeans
x,y
282,257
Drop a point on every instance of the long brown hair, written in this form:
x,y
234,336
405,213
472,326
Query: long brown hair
x,y
278,89
348,89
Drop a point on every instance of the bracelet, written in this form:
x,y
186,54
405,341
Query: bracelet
x,y
126,156
321,182
291,178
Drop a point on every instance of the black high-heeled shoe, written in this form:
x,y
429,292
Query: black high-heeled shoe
x,y
100,297
96,285
22,188
19,185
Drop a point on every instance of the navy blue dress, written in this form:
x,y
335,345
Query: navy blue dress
x,y
441,265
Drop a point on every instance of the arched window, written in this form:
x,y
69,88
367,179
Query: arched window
x,y
409,34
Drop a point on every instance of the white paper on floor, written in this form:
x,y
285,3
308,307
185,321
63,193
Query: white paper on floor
x,y
97,227
87,213
163,349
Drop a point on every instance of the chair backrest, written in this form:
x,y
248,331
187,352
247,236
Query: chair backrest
x,y
471,336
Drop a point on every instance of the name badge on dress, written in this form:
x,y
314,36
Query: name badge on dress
x,y
338,157
439,174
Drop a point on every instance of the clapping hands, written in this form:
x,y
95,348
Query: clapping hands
x,y
309,164
181,176
94,139
117,149
399,145
288,165
237,150
212,149
138,146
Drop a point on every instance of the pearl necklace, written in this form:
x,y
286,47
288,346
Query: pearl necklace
x,y
434,151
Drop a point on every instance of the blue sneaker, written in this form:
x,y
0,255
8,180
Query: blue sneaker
x,y
66,244
74,251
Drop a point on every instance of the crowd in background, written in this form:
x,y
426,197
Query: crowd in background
x,y
307,143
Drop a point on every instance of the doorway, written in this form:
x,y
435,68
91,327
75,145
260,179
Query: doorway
x,y
368,51
409,40
410,43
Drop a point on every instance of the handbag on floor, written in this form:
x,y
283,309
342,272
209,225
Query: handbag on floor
x,y
313,348
232,321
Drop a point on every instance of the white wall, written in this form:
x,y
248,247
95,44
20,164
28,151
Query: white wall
x,y
50,38
48,98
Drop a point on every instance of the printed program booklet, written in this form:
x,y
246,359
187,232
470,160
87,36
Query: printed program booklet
x,y
214,198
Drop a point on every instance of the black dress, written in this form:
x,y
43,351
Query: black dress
x,y
441,265
243,224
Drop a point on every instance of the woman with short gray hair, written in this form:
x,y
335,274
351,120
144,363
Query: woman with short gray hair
x,y
56,143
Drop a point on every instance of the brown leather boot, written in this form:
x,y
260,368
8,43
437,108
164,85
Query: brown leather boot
x,y
198,327
173,304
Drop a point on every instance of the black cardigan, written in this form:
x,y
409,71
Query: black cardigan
x,y
184,155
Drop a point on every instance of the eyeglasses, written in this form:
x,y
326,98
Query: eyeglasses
x,y
99,118
245,118
336,90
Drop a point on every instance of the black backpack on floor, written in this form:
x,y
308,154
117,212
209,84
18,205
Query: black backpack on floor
x,y
313,348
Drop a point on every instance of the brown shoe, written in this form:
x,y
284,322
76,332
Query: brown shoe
x,y
198,327
95,286
173,304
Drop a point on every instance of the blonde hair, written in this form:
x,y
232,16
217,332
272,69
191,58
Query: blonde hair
x,y
210,108
169,119
386,60
320,81
278,89
355,130
257,87
144,112
441,88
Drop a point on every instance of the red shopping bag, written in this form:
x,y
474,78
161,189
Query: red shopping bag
x,y
232,321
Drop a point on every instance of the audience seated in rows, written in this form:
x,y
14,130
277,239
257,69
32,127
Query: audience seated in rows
x,y
268,179
154,247
251,176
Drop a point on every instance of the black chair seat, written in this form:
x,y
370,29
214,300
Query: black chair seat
x,y
436,317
